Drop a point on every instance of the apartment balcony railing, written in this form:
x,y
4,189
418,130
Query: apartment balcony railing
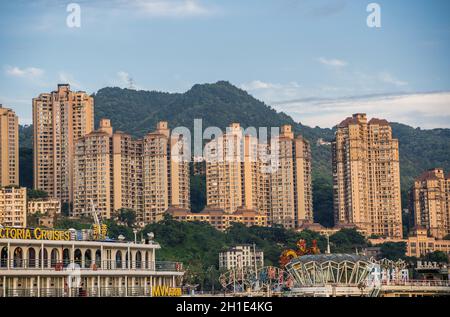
x,y
158,266
122,291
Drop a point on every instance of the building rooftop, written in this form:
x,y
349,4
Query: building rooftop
x,y
432,174
379,121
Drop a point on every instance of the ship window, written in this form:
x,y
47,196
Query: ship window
x,y
18,257
66,257
4,257
45,261
54,257
87,258
119,259
98,258
78,257
138,260
31,258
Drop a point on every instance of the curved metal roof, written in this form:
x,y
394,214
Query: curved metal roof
x,y
321,258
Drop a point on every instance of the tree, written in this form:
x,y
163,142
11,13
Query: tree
x,y
36,194
32,220
436,256
393,250
198,192
79,224
127,216
347,241
66,208
323,200
26,157
115,230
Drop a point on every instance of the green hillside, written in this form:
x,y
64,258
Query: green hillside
x,y
219,104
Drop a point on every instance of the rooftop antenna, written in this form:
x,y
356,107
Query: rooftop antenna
x,y
328,244
131,83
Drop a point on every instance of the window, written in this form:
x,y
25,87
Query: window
x,y
87,258
18,257
119,259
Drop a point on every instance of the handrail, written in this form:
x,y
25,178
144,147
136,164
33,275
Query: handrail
x,y
77,292
18,264
417,283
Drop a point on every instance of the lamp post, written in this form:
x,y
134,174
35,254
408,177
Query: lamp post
x,y
135,237
150,236
328,243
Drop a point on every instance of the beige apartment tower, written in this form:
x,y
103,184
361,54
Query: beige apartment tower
x,y
92,178
13,206
9,147
291,191
59,119
430,202
273,179
224,172
366,176
114,171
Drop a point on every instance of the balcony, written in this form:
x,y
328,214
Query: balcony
x,y
104,265
121,291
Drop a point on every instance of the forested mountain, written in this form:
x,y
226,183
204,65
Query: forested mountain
x,y
219,104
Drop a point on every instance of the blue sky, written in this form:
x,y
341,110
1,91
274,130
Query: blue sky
x,y
317,60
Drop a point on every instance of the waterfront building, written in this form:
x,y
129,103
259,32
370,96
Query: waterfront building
x,y
317,227
9,147
54,263
45,206
366,176
59,119
430,202
273,179
240,257
218,218
419,243
114,171
13,206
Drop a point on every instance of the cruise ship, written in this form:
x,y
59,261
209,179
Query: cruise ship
x,y
36,262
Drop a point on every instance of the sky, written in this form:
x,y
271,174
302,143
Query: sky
x,y
316,60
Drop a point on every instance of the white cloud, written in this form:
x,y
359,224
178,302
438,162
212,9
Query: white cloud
x,y
66,78
272,91
124,78
29,72
332,62
258,84
171,8
388,78
425,110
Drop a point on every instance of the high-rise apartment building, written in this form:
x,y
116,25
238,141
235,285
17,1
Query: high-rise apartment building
x,y
430,202
366,175
9,147
113,171
13,206
291,192
224,171
59,118
92,178
273,179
